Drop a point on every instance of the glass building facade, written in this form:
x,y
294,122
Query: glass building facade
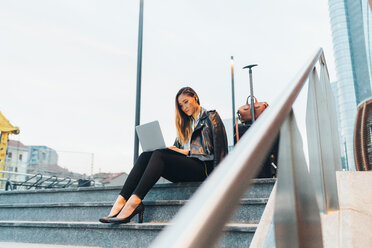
x,y
42,155
335,89
350,22
367,20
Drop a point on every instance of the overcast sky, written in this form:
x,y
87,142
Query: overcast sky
x,y
68,67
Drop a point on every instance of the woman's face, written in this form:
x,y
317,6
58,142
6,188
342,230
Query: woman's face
x,y
188,104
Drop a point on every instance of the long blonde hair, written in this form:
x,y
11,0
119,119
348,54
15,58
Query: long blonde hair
x,y
183,121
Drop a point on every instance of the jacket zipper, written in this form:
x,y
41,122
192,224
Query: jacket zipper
x,y
204,145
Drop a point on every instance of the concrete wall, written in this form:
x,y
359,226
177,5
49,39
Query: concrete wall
x,y
352,225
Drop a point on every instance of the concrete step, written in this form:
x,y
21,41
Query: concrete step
x,y
39,245
250,211
106,235
261,188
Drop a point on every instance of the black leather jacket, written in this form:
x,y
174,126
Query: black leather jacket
x,y
208,140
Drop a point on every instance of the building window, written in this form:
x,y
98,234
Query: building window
x,y
20,157
9,155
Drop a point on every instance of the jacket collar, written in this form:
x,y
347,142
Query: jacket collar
x,y
203,115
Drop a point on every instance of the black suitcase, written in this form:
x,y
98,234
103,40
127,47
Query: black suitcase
x,y
242,128
269,167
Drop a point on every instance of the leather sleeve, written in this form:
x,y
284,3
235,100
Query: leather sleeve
x,y
219,137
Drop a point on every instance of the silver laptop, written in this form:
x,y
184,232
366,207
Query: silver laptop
x,y
150,136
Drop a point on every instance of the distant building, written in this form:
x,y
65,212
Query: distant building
x,y
33,160
336,94
44,160
42,155
351,31
17,157
51,170
116,179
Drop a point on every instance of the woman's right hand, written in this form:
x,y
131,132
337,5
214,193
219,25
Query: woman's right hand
x,y
174,148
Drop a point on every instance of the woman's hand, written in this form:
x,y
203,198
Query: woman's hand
x,y
186,152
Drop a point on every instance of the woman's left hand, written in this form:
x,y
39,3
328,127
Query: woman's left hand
x,y
186,152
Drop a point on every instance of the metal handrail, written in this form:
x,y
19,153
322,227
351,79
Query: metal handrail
x,y
20,174
201,221
70,182
55,182
8,184
58,183
29,180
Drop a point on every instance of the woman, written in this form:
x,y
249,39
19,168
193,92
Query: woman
x,y
200,145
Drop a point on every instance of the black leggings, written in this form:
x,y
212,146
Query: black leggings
x,y
171,165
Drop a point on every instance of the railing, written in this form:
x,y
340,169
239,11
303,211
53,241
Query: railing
x,y
297,214
39,181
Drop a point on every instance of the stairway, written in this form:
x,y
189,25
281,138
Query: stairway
x,y
70,216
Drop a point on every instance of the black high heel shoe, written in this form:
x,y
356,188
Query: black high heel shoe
x,y
106,219
140,209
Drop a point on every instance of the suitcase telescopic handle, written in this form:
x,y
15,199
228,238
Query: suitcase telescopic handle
x,y
251,88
